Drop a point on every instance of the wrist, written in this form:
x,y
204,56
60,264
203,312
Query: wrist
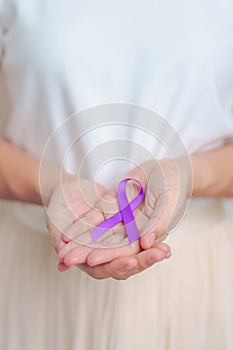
x,y
50,177
202,176
181,173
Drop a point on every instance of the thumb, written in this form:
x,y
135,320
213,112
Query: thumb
x,y
163,213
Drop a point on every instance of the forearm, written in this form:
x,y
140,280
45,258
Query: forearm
x,y
19,175
213,173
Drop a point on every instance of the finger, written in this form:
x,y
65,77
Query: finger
x,y
157,226
104,208
73,253
151,256
142,172
145,259
124,267
113,269
116,244
67,249
104,255
77,255
76,252
162,246
115,241
84,224
85,239
62,267
98,272
55,236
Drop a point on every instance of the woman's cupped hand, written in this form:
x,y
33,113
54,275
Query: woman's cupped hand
x,y
78,205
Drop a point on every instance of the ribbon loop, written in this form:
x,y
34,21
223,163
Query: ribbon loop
x,y
125,213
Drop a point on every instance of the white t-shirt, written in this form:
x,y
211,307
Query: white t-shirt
x,y
62,57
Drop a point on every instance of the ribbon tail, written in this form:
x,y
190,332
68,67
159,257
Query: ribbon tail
x,y
106,225
127,209
130,224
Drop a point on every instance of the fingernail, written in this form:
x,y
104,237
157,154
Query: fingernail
x,y
168,255
65,239
61,267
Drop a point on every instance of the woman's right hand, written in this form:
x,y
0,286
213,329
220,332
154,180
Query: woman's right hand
x,y
70,201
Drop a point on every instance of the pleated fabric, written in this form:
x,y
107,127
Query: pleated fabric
x,y
182,303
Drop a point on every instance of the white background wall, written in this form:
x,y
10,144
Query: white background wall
x,y
3,111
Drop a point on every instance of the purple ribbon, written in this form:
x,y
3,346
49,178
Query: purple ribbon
x,y
125,214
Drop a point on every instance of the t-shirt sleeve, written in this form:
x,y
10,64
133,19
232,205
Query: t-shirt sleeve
x,y
6,15
2,24
1,42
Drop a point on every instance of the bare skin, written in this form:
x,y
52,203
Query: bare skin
x,y
19,180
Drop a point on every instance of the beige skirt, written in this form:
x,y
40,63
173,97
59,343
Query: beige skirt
x,y
184,303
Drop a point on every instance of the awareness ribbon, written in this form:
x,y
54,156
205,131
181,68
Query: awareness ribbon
x,y
125,213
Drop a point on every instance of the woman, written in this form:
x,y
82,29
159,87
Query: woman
x,y
61,58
